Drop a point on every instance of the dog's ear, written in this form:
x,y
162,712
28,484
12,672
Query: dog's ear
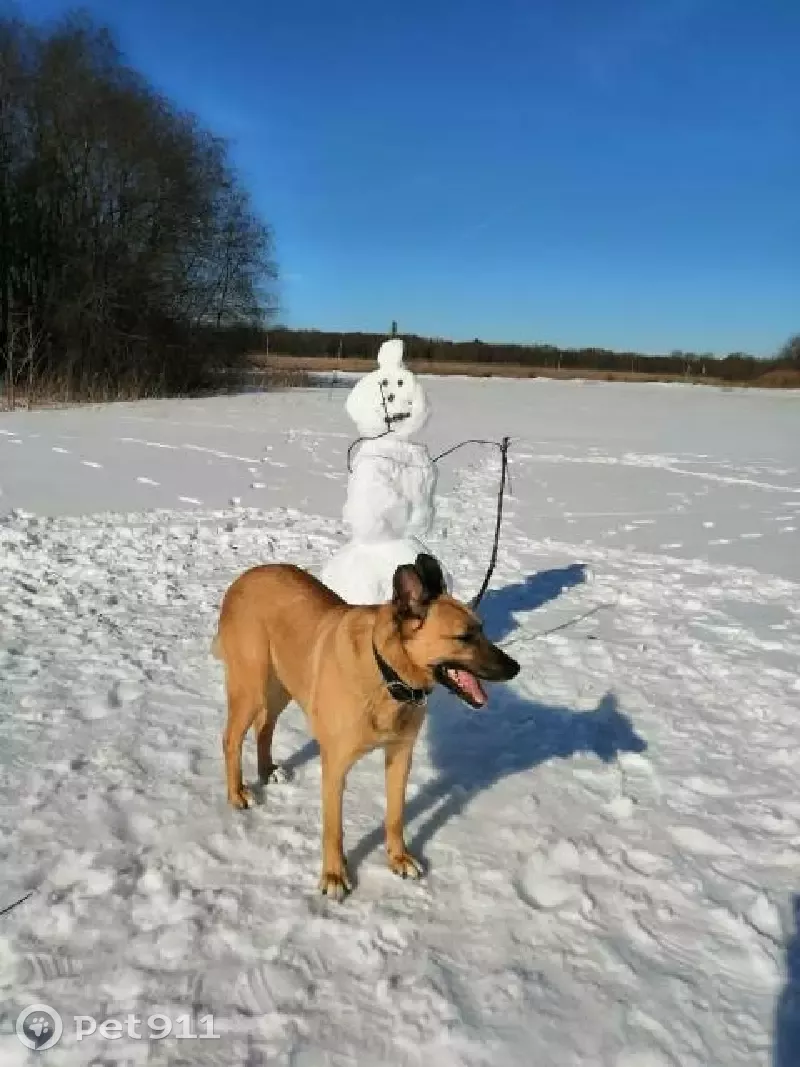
x,y
427,567
409,598
415,586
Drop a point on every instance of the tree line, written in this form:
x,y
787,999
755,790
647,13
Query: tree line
x,y
735,367
131,259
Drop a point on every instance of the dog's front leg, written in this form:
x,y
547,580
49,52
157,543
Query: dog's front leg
x,y
398,766
334,881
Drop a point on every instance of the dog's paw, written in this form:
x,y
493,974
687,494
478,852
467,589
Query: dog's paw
x,y
335,884
276,774
404,865
242,799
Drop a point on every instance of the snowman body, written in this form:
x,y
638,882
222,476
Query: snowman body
x,y
390,504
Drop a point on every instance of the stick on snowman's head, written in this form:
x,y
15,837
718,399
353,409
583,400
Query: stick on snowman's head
x,y
388,400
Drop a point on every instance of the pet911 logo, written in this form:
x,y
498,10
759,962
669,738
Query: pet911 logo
x,y
40,1027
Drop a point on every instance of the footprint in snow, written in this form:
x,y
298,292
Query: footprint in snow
x,y
698,843
708,787
552,882
95,708
643,1058
765,918
99,707
123,692
646,863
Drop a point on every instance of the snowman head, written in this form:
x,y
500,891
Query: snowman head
x,y
389,399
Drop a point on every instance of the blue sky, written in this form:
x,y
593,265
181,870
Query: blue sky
x,y
622,173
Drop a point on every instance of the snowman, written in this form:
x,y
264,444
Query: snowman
x,y
390,505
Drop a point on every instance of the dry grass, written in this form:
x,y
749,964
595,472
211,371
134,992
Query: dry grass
x,y
71,390
471,370
276,372
777,379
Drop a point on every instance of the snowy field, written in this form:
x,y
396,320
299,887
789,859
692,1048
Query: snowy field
x,y
612,846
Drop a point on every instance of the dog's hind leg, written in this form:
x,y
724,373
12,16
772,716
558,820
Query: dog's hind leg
x,y
246,680
275,700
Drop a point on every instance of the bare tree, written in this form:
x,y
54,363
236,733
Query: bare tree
x,y
790,353
127,245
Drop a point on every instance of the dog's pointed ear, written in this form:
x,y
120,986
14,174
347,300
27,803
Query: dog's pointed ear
x,y
409,599
427,567
415,586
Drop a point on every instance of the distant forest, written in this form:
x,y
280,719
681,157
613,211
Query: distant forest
x,y
735,367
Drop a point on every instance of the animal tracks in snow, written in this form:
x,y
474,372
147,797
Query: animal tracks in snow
x,y
698,842
618,833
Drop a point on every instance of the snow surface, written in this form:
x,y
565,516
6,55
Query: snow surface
x,y
613,845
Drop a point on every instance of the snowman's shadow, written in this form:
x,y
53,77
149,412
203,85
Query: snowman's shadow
x,y
499,606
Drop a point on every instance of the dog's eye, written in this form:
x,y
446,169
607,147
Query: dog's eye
x,y
467,638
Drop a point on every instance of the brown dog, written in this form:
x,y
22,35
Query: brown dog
x,y
361,674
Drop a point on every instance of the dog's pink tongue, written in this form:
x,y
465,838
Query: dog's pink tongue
x,y
470,684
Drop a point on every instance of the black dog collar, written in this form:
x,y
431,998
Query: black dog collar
x,y
397,688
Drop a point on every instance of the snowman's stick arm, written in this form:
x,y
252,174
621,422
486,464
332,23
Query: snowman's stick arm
x,y
503,446
501,492
471,441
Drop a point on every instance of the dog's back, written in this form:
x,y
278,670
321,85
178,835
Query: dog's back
x,y
275,596
273,616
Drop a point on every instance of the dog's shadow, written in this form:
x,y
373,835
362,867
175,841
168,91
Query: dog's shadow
x,y
472,752
786,1047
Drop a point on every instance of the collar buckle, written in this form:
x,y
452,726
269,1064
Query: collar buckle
x,y
397,689
406,694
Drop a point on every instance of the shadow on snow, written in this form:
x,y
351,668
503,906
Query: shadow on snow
x,y
499,606
471,752
787,1016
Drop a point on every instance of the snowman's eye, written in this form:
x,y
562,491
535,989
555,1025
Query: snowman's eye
x,y
385,382
400,382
